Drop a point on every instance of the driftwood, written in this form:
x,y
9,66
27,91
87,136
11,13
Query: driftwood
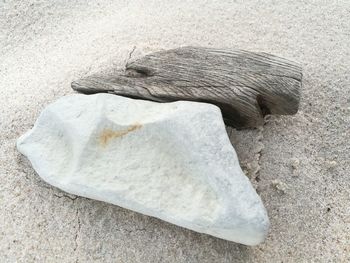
x,y
245,85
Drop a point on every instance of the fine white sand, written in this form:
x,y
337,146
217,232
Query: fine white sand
x,y
299,165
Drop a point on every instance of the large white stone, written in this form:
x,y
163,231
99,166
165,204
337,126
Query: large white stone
x,y
173,161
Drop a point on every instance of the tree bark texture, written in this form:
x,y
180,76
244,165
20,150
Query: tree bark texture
x,y
245,85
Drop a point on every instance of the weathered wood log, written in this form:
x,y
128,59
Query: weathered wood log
x,y
245,85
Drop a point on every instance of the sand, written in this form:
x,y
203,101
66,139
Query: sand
x,y
299,165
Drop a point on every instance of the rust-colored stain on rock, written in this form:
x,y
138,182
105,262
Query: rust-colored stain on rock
x,y
109,134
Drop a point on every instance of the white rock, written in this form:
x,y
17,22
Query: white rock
x,y
173,161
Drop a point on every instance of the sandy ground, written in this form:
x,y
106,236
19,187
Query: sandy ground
x,y
299,165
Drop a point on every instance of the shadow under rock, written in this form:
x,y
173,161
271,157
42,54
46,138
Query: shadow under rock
x,y
120,228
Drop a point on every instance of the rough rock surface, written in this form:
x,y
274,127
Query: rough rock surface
x,y
173,161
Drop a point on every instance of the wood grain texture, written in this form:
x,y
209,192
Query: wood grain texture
x,y
245,85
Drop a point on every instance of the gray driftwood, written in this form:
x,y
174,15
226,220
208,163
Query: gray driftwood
x,y
245,85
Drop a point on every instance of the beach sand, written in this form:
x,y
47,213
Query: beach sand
x,y
298,164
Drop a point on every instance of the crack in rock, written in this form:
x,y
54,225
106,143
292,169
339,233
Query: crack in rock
x,y
73,198
76,237
256,174
134,230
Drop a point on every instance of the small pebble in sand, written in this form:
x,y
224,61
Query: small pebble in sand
x,y
295,166
279,186
330,164
295,163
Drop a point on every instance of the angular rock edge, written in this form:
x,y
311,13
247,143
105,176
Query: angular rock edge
x,y
245,85
159,159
